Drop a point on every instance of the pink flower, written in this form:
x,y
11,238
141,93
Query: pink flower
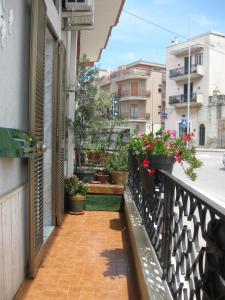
x,y
149,147
141,133
145,163
151,172
171,132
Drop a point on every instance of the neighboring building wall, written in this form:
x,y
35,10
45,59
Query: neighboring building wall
x,y
149,97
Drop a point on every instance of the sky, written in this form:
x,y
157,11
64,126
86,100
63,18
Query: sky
x,y
132,39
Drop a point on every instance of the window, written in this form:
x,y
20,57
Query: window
x,y
199,59
133,111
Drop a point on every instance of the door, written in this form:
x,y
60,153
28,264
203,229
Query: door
x,y
36,127
202,135
186,91
134,88
60,134
186,60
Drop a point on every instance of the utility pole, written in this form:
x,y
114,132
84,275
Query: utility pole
x,y
189,68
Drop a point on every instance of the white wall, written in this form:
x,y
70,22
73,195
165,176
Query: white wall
x,y
14,88
13,242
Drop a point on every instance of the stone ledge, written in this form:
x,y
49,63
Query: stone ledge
x,y
105,189
149,272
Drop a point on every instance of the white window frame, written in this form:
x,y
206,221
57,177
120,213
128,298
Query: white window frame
x,y
199,59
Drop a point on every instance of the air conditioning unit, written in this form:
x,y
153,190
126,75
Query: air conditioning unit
x,y
79,5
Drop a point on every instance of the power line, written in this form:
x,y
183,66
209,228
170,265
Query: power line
x,y
154,24
170,31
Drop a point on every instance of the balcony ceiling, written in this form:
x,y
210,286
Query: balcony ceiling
x,y
106,16
184,51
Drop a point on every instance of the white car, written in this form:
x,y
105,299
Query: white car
x,y
224,159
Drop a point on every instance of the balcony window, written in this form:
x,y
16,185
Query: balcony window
x,y
133,111
199,59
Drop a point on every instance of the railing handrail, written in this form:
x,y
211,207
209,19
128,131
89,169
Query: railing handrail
x,y
186,230
128,93
183,71
210,203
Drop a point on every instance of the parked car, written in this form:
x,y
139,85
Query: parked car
x,y
224,159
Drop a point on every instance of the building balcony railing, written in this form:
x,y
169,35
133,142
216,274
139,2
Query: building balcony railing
x,y
186,231
135,117
131,73
182,73
181,100
129,94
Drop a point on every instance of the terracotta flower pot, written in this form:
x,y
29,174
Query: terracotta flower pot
x,y
102,178
119,177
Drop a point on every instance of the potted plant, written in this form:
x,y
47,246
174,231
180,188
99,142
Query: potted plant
x,y
76,192
102,175
117,165
162,149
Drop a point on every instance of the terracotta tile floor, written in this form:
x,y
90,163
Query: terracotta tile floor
x,y
89,259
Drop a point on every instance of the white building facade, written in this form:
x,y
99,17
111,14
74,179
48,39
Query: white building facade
x,y
207,88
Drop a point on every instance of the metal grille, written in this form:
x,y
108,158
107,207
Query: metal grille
x,y
187,231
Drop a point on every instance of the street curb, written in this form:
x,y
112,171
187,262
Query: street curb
x,y
210,150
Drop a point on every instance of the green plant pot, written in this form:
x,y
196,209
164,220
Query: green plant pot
x,y
77,204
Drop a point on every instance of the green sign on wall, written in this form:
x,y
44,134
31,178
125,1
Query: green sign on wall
x,y
16,143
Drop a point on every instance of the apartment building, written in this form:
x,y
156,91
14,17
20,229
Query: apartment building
x,y
138,94
207,88
41,42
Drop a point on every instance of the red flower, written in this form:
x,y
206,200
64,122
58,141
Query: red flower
x,y
145,142
186,138
151,172
145,163
149,147
178,158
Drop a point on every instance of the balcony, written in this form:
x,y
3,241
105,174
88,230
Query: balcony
x,y
139,117
179,74
126,95
196,99
131,74
173,235
186,232
104,80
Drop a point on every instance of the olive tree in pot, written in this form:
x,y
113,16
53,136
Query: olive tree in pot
x,y
117,166
76,192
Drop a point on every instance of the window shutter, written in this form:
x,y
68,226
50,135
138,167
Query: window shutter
x,y
60,143
36,126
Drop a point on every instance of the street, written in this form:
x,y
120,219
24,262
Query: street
x,y
211,176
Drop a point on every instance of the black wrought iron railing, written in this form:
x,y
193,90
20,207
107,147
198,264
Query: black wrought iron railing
x,y
182,98
187,231
182,71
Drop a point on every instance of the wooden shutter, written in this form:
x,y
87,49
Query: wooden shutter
x,y
36,124
134,88
60,140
